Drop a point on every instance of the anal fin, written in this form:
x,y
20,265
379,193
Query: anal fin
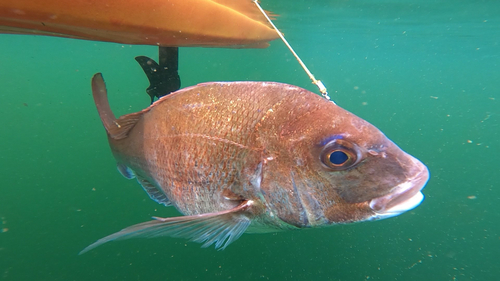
x,y
125,171
154,192
219,228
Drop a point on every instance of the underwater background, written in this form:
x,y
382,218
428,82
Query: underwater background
x,y
427,73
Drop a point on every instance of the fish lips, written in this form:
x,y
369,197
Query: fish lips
x,y
403,197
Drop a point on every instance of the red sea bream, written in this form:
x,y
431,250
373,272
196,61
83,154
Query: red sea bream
x,y
237,157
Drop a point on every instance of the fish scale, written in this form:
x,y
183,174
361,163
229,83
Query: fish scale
x,y
233,137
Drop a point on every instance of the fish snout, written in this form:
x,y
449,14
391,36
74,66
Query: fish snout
x,y
403,197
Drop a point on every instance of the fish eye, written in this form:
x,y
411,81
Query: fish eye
x,y
340,155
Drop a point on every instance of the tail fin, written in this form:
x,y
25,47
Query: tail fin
x,y
101,102
116,128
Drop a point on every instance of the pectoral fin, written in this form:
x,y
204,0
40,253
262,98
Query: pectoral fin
x,y
220,228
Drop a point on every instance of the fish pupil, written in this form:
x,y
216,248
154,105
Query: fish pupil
x,y
338,157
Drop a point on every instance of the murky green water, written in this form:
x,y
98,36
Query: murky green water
x,y
427,73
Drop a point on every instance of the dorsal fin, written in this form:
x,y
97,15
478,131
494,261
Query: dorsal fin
x,y
116,128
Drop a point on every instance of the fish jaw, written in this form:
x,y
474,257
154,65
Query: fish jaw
x,y
404,197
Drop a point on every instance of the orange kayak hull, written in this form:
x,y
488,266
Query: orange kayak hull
x,y
175,23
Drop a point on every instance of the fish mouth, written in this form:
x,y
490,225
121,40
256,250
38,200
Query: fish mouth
x,y
403,197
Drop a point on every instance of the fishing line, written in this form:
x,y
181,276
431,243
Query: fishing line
x,y
318,83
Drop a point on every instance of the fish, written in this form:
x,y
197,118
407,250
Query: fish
x,y
236,157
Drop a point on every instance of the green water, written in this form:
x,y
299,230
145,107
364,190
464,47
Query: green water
x,y
427,73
